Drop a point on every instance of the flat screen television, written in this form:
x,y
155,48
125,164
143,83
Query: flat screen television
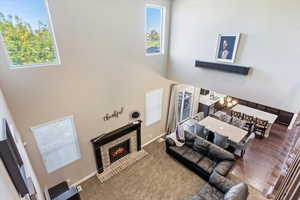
x,y
11,159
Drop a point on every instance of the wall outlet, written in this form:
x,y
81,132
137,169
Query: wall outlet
x,y
79,188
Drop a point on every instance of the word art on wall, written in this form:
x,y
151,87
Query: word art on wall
x,y
115,114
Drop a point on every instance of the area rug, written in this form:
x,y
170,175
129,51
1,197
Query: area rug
x,y
155,177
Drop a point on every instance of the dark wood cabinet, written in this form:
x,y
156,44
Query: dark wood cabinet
x,y
261,107
285,117
62,191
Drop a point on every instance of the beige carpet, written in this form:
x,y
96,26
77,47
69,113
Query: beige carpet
x,y
155,177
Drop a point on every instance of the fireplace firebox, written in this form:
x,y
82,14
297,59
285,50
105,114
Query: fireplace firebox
x,y
118,151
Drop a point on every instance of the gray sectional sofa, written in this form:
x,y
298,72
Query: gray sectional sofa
x,y
219,187
201,156
210,162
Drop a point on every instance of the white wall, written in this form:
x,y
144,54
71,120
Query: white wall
x,y
271,46
7,189
101,44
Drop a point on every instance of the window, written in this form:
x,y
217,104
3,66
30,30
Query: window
x,y
57,143
154,28
153,106
184,105
25,29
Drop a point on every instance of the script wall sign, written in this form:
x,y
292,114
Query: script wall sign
x,y
115,114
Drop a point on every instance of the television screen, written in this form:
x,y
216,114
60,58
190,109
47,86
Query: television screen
x,y
11,158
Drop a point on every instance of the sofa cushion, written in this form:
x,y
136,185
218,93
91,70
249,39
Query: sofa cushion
x,y
221,182
192,156
209,192
206,164
180,150
224,167
201,146
219,154
237,192
189,138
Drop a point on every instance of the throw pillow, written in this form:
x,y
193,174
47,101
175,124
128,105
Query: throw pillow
x,y
237,192
201,146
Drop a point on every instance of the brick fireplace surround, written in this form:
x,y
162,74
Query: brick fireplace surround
x,y
104,143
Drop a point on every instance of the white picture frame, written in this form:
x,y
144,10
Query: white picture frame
x,y
227,47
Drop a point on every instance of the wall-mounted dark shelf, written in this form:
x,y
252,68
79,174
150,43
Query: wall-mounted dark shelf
x,y
223,67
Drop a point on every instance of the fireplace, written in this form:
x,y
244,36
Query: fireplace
x,y
111,147
118,151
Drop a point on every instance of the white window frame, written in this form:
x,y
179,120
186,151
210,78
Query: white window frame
x,y
51,30
162,29
74,134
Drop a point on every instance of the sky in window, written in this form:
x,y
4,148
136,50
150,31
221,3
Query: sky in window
x,y
153,19
31,11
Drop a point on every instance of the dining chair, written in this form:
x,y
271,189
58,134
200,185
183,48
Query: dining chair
x,y
237,122
219,114
236,114
248,122
226,118
189,125
243,145
260,127
221,140
199,116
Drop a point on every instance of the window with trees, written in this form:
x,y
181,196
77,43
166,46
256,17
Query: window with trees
x,y
26,32
154,28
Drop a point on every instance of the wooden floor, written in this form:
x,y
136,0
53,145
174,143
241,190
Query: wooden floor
x,y
262,162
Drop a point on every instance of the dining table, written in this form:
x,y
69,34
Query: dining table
x,y
233,133
271,118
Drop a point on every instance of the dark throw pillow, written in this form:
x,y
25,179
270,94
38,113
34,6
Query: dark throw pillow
x,y
201,146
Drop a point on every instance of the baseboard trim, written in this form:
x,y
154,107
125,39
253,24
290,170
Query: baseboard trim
x,y
84,179
149,142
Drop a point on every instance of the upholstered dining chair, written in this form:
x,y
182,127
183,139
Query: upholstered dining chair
x,y
260,127
199,116
248,122
240,149
237,122
226,118
236,114
221,140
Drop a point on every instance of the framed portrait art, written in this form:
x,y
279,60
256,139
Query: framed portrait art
x,y
227,47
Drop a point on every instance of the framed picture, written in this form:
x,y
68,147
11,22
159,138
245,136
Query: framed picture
x,y
227,47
